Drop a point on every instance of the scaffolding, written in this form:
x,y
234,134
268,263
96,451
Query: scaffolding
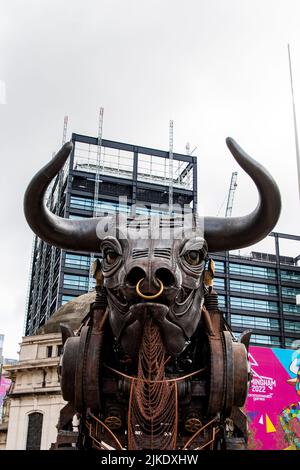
x,y
99,164
171,168
119,163
57,212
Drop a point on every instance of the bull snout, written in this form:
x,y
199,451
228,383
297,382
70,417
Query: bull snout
x,y
150,285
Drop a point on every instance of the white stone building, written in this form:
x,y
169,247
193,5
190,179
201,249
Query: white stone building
x,y
35,398
34,401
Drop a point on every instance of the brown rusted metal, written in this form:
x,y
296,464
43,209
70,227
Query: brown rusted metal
x,y
217,376
229,373
92,378
241,370
80,363
192,424
68,368
152,410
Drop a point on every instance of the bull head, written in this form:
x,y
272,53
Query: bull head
x,y
160,277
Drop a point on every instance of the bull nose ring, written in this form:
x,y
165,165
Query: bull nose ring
x,y
144,296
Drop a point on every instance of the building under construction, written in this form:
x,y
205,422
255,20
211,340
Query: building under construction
x,y
97,173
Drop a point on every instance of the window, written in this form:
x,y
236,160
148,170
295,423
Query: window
x,y
67,298
219,265
291,309
83,203
287,275
103,207
49,351
222,301
253,271
34,432
142,210
59,349
219,283
289,291
265,339
77,261
292,326
292,343
72,281
254,304
253,287
254,322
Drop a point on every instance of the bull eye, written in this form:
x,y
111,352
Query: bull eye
x,y
193,257
111,256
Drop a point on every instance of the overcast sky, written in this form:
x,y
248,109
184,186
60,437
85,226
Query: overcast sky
x,y
217,68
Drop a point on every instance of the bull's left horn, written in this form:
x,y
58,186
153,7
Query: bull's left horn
x,y
76,235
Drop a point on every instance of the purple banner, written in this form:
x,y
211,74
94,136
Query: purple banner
x,y
273,403
4,386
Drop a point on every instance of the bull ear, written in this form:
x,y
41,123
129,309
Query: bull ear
x,y
245,338
231,233
75,235
66,332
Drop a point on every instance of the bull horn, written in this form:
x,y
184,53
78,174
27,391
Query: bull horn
x,y
75,235
232,233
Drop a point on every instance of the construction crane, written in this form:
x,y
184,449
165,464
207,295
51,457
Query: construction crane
x,y
233,185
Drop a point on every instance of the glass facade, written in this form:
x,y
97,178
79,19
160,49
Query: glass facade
x,y
252,271
103,207
219,266
293,326
289,291
222,301
67,298
265,339
253,304
219,283
77,261
253,287
287,275
292,343
261,323
291,309
72,281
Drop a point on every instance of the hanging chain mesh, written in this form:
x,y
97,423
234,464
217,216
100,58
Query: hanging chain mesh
x,y
153,406
153,411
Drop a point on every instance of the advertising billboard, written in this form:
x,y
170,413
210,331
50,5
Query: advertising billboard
x,y
273,403
4,386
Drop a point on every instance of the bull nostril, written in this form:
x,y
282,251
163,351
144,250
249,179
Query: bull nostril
x,y
165,276
135,275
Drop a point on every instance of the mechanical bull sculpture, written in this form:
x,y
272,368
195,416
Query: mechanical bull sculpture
x,y
154,365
